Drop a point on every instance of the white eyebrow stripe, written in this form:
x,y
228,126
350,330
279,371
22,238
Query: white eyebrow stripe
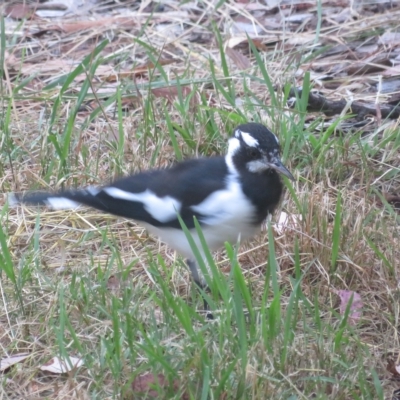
x,y
249,140
276,138
163,209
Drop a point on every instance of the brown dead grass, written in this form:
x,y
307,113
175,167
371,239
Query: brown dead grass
x,y
361,49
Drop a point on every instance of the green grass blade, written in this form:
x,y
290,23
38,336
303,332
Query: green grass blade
x,y
381,256
80,69
171,131
5,257
336,237
267,79
272,263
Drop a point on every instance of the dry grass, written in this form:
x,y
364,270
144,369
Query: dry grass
x,y
88,281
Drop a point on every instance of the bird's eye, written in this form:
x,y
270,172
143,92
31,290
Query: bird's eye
x,y
253,153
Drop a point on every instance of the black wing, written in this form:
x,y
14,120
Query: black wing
x,y
153,197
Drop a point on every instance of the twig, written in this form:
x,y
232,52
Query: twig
x,y
319,103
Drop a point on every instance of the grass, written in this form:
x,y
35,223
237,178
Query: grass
x,y
83,284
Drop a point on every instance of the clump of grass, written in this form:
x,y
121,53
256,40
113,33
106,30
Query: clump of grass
x,y
89,285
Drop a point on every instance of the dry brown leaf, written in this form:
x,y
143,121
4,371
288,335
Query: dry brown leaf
x,y
59,67
371,64
298,6
19,11
298,18
59,366
390,38
6,363
113,283
240,60
139,70
394,369
77,26
244,26
300,39
250,6
170,92
392,199
147,385
392,71
356,305
258,42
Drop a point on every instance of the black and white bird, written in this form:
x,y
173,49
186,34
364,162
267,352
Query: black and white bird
x,y
229,195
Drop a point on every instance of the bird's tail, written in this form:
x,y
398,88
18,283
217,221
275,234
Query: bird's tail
x,y
69,199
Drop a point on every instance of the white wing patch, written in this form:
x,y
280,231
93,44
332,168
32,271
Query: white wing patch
x,y
93,190
13,200
228,207
249,140
163,209
61,203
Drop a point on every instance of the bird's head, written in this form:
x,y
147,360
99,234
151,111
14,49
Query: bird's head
x,y
255,148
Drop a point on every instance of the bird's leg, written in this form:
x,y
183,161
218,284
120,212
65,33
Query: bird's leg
x,y
200,282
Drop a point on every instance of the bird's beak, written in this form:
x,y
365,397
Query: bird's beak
x,y
277,165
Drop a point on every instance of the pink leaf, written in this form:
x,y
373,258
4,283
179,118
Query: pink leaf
x,y
356,304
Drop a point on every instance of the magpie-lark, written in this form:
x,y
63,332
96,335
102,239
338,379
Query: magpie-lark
x,y
229,195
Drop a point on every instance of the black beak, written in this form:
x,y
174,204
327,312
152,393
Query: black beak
x,y
280,168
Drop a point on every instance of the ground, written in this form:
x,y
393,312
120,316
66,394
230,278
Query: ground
x,y
93,90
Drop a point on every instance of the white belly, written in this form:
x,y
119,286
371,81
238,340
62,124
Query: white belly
x,y
215,236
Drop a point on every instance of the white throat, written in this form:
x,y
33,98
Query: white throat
x,y
233,148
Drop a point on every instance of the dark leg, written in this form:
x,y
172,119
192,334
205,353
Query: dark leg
x,y
201,284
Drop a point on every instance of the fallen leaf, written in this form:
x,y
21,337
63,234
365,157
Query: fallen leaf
x,y
113,283
390,38
273,3
300,39
259,43
171,92
77,26
298,18
240,60
287,221
394,369
19,11
356,304
248,27
393,199
139,70
148,383
59,366
60,66
297,6
392,71
14,359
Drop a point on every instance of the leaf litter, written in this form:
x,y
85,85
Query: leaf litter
x,y
351,51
